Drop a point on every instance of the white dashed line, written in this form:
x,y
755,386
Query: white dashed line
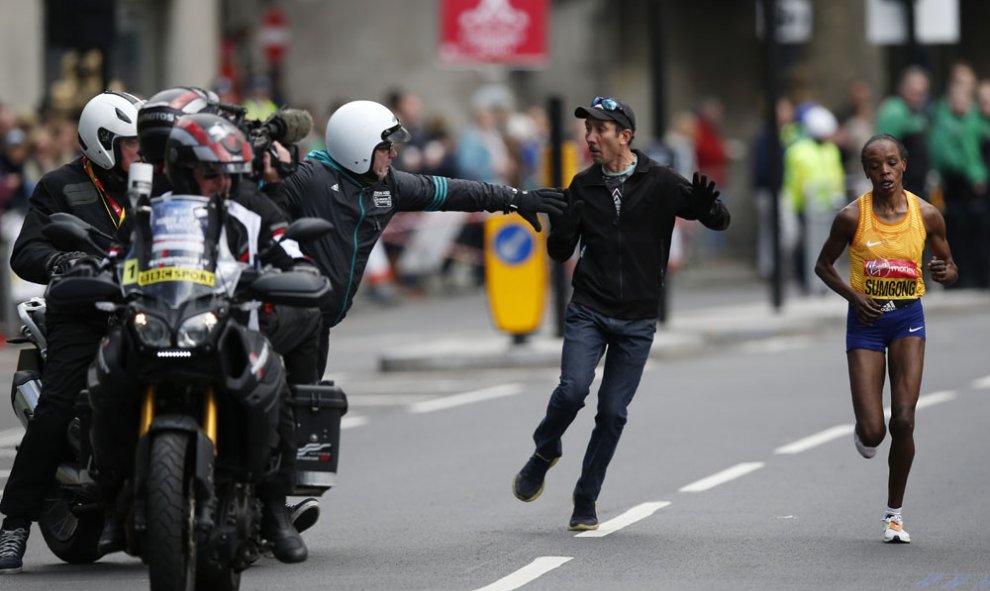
x,y
466,398
981,384
815,440
351,422
722,477
822,437
628,518
530,572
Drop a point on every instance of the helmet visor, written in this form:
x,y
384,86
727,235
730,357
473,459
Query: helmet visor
x,y
396,134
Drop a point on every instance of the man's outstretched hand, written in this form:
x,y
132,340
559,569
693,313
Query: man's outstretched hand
x,y
529,203
703,194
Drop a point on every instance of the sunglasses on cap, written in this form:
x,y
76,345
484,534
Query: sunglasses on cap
x,y
609,104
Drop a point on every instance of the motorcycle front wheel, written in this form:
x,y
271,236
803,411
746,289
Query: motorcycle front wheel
x,y
170,543
71,536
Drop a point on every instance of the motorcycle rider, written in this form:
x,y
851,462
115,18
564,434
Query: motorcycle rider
x,y
354,186
206,154
292,331
91,187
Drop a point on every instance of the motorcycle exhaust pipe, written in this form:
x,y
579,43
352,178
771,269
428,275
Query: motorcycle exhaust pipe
x,y
27,390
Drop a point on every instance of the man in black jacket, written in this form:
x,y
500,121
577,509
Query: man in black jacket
x,y
92,187
354,186
622,210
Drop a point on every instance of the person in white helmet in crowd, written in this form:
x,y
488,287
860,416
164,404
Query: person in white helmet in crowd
x,y
354,185
93,188
814,189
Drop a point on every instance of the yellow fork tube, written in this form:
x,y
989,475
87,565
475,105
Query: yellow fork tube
x,y
147,410
210,416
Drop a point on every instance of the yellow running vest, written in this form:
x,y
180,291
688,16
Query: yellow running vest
x,y
885,259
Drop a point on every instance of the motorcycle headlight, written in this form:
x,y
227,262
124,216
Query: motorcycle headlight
x,y
152,330
195,331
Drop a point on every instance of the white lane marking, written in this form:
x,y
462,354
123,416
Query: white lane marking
x,y
981,384
822,437
466,398
775,344
927,400
351,422
815,440
11,437
628,518
722,477
530,572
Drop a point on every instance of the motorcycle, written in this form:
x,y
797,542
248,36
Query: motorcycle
x,y
202,389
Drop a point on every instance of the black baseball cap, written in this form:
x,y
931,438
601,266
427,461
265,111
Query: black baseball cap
x,y
608,109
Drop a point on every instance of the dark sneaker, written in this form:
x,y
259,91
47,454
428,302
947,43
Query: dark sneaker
x,y
304,514
528,484
13,543
585,516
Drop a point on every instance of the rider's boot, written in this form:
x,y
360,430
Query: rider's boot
x,y
287,545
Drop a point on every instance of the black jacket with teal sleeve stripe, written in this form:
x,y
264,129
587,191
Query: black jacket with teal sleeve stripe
x,y
359,213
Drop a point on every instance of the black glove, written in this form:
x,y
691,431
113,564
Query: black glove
x,y
59,263
566,224
703,194
85,266
529,203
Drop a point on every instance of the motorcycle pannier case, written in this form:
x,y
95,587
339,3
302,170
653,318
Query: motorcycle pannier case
x,y
318,410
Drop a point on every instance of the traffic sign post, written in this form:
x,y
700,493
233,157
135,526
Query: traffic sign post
x,y
515,274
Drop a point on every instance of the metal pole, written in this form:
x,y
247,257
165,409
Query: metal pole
x,y
555,108
773,142
659,123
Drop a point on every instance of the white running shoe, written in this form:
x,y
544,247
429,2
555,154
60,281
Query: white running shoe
x,y
893,530
866,452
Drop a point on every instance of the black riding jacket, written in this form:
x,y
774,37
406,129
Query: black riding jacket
x,y
623,258
359,213
66,189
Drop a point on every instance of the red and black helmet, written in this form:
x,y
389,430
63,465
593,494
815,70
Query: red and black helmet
x,y
159,114
208,140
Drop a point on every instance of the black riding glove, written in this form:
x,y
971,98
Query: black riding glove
x,y
529,203
85,266
566,224
61,262
703,194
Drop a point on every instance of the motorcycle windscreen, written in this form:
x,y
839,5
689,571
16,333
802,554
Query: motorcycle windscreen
x,y
179,261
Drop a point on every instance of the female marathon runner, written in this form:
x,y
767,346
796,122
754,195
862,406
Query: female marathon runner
x,y
885,231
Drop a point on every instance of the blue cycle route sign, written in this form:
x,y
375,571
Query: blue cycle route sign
x,y
513,244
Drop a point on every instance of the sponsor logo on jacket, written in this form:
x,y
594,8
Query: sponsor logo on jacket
x,y
382,198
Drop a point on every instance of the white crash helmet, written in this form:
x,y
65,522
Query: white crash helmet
x,y
106,118
356,128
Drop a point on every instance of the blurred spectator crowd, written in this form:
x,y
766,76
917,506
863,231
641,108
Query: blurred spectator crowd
x,y
946,132
947,135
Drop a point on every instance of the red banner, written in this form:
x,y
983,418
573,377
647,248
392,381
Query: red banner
x,y
510,32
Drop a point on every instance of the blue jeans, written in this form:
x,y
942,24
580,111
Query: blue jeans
x,y
587,336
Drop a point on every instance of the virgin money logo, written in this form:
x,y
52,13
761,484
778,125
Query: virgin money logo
x,y
891,268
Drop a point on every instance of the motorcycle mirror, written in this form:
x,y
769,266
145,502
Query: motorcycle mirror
x,y
68,218
83,290
306,229
66,235
292,288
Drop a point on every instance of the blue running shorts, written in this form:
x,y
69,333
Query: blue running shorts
x,y
908,321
